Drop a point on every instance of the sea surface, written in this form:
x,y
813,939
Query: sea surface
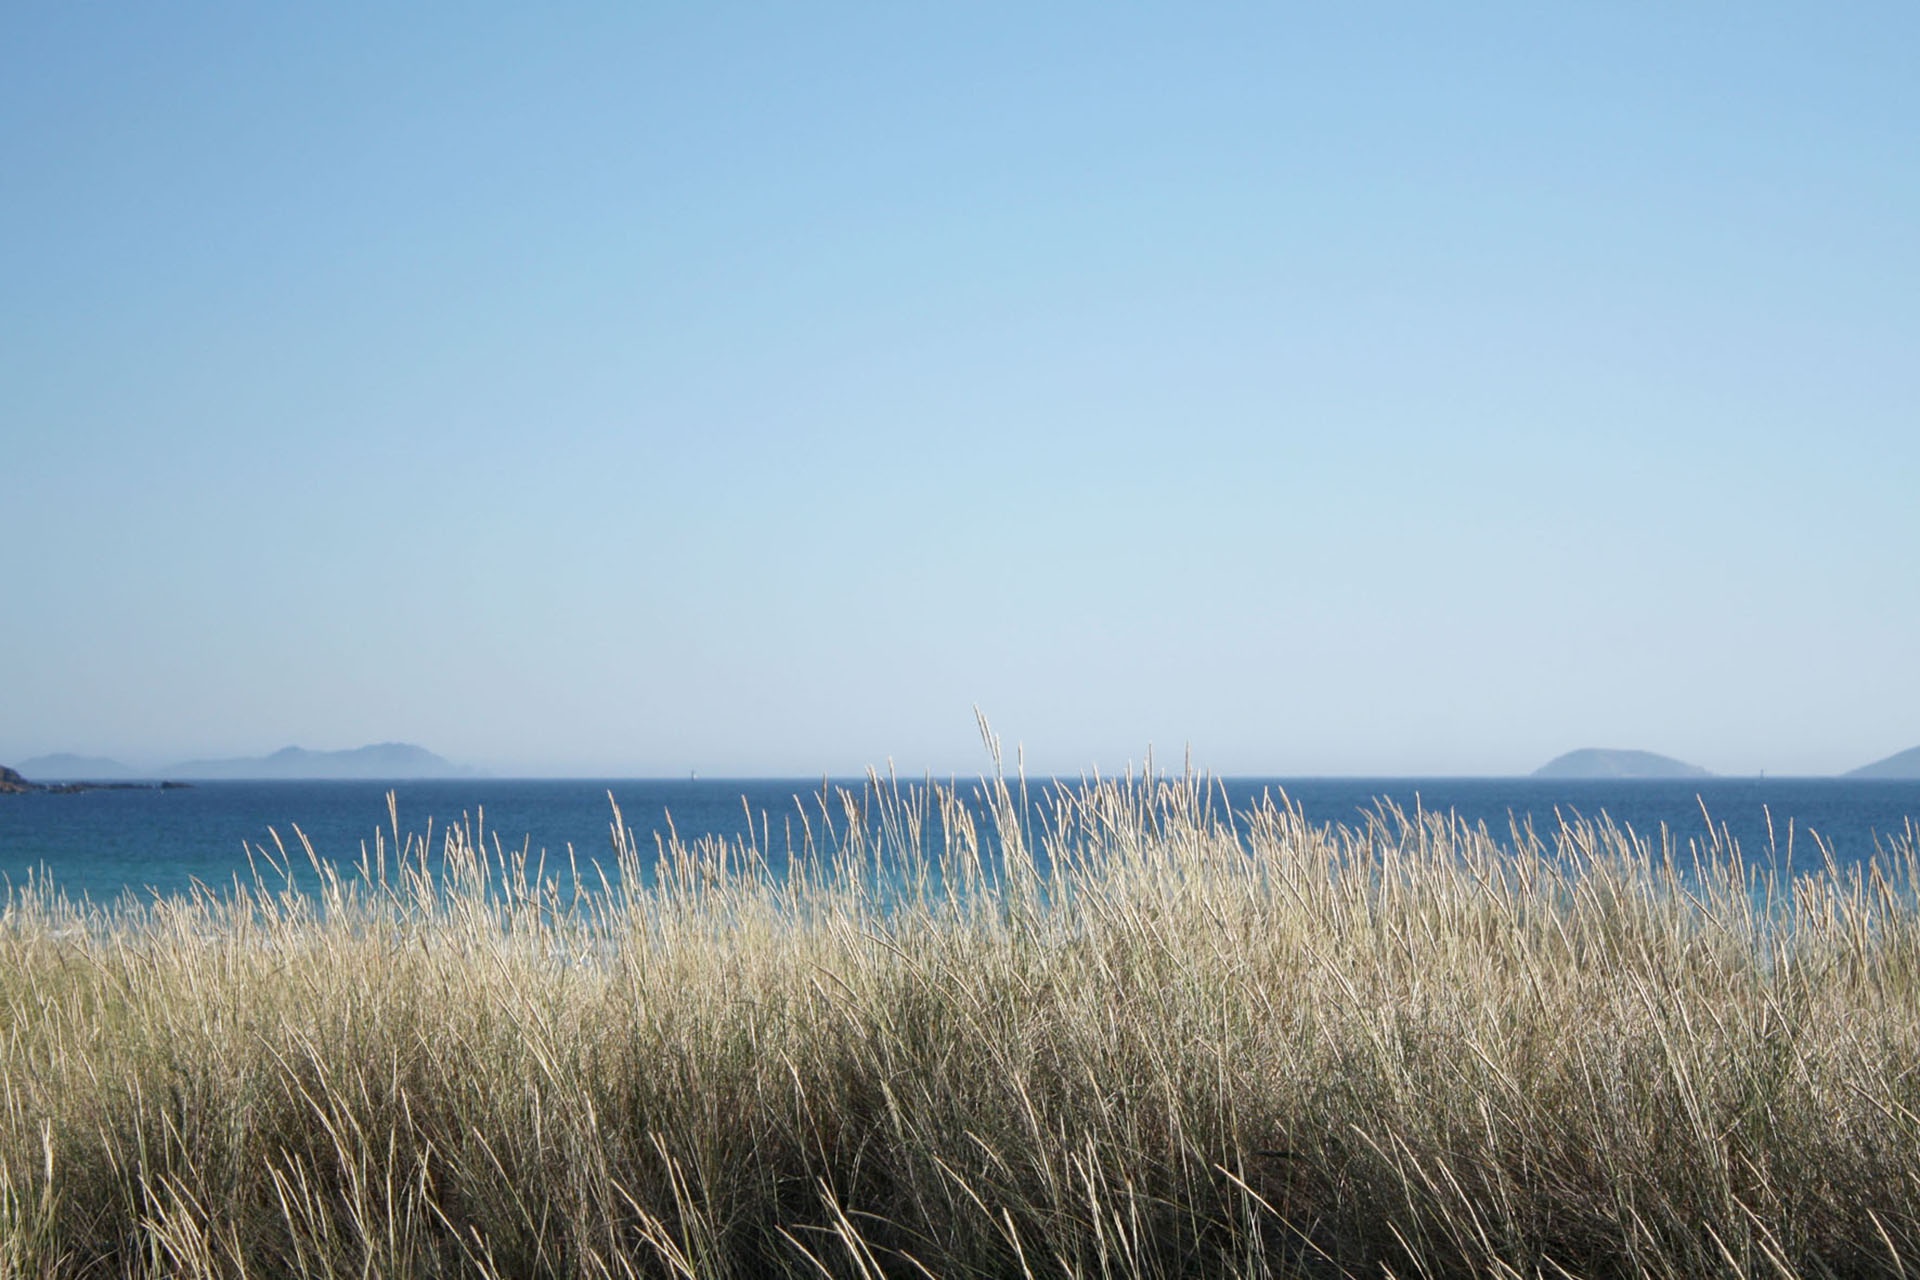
x,y
104,844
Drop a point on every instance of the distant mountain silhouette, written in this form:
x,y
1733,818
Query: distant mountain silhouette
x,y
383,760
1902,764
1600,762
64,766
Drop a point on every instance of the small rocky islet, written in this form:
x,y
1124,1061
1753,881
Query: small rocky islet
x,y
12,784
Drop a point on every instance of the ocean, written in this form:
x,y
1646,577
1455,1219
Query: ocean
x,y
103,844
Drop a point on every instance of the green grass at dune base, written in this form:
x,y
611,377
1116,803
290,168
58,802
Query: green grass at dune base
x,y
1191,1046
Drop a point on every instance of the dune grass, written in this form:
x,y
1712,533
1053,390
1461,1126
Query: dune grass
x,y
1132,1040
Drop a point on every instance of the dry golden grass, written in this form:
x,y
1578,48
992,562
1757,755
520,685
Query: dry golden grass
x,y
1130,1043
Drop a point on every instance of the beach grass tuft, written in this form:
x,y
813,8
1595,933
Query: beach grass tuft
x,y
1107,1030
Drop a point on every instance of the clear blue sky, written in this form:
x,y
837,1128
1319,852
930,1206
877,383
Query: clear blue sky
x,y
634,389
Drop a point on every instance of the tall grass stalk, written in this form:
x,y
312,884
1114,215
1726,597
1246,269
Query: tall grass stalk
x,y
1123,1032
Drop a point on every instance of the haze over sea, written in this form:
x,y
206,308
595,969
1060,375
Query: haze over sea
x,y
102,844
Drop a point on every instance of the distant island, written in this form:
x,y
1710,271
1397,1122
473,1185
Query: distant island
x,y
1601,762
380,761
1902,764
64,766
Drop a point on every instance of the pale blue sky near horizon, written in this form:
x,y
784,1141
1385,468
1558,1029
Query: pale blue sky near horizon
x,y
1367,389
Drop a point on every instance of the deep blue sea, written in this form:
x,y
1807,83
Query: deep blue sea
x,y
102,844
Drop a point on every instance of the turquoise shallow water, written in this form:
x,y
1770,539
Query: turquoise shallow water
x,y
105,843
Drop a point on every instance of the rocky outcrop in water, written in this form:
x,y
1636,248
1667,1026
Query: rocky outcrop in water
x,y
12,784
